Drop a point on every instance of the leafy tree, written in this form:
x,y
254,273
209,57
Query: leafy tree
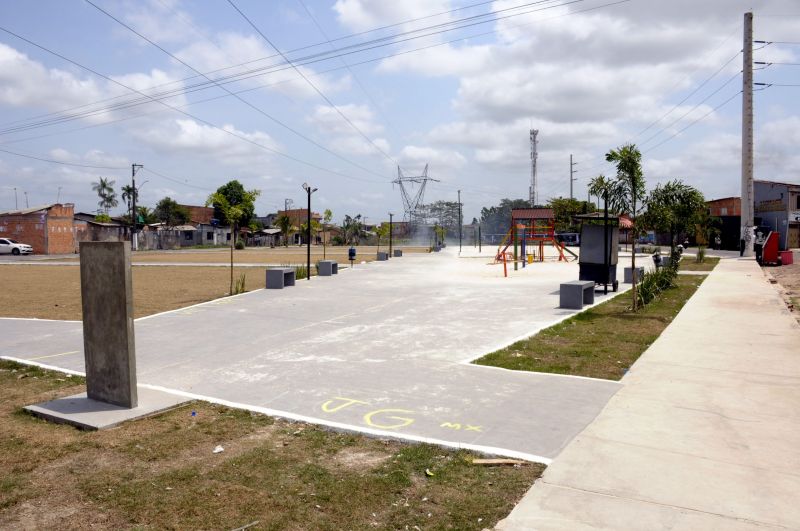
x,y
625,193
445,213
497,219
105,191
675,208
564,209
128,195
236,196
382,232
327,216
102,218
352,229
284,223
169,212
146,215
233,213
315,228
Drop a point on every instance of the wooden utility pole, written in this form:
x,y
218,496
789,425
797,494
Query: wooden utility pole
x,y
747,138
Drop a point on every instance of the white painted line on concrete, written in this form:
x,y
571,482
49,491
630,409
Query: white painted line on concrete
x,y
37,319
538,373
42,365
491,450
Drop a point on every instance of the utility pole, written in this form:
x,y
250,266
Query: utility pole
x,y
460,224
391,229
746,239
134,168
16,204
571,173
26,200
58,197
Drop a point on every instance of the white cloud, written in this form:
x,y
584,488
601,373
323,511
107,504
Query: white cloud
x,y
361,15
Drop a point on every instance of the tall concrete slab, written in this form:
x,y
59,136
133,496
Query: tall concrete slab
x,y
108,341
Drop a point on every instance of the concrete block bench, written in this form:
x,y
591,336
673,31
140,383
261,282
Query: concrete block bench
x,y
575,293
382,256
327,268
398,253
628,277
278,277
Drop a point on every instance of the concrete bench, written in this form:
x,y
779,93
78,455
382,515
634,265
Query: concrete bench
x,y
278,277
382,256
629,277
575,293
398,253
327,268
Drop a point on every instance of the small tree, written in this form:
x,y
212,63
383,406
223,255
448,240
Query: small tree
x,y
382,231
233,213
327,216
625,192
673,207
170,213
352,228
284,223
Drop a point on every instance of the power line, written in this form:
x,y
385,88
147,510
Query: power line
x,y
254,107
43,159
768,85
201,120
692,123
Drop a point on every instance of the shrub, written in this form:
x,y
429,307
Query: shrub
x,y
654,282
300,272
240,244
239,286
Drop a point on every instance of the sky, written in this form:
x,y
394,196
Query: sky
x,y
338,94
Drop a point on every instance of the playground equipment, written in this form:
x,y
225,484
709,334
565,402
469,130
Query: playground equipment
x,y
531,229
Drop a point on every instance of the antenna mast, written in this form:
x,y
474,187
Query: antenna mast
x,y
533,191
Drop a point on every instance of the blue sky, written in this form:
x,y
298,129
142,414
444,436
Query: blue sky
x,y
588,75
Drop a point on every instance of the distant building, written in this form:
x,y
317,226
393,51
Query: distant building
x,y
87,229
47,228
299,216
777,205
729,211
199,214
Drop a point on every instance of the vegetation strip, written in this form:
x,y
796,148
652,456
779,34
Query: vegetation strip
x,y
601,342
163,472
688,263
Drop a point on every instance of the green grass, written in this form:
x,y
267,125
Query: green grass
x,y
160,472
688,263
601,342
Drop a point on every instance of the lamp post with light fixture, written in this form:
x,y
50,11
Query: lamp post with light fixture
x,y
309,191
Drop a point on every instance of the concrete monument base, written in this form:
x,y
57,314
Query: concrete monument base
x,y
88,414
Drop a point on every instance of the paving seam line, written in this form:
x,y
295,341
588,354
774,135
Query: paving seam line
x,y
660,504
488,450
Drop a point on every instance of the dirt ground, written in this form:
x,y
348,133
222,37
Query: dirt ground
x,y
54,292
293,255
788,277
162,473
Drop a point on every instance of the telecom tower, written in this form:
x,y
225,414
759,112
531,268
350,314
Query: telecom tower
x,y
533,191
414,209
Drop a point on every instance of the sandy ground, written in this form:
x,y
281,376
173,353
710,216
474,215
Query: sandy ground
x,y
54,292
788,277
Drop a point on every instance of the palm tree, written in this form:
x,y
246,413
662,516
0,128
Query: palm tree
x,y
105,191
625,192
284,223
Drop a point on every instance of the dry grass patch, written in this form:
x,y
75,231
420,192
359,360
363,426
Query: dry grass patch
x,y
601,342
54,292
161,472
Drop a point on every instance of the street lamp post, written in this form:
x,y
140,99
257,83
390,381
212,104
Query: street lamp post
x,y
390,234
309,191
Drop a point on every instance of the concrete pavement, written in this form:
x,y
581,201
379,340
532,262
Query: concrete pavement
x,y
382,348
705,432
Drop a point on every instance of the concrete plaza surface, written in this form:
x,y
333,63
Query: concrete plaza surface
x,y
705,432
382,349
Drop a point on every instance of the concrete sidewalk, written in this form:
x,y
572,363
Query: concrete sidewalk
x,y
705,433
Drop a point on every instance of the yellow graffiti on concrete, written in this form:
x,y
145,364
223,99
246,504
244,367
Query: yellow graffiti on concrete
x,y
328,407
403,421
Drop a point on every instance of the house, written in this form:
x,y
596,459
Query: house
x,y
777,206
47,228
729,212
87,229
299,216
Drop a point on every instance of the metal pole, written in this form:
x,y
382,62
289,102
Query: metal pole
x,y
460,224
570,175
135,192
479,237
16,204
606,246
747,138
391,229
308,235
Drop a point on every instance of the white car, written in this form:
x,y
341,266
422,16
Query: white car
x,y
9,246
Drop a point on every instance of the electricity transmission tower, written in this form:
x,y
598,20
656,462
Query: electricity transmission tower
x,y
412,190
